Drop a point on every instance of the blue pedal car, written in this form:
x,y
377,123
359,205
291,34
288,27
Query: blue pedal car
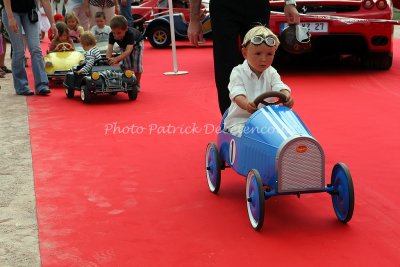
x,y
279,156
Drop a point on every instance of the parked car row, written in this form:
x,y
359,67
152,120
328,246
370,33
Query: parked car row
x,y
151,9
338,27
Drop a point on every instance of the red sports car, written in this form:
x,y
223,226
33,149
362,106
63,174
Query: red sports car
x,y
345,27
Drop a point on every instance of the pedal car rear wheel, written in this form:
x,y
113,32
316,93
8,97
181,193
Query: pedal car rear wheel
x,y
159,36
213,167
86,97
255,199
343,195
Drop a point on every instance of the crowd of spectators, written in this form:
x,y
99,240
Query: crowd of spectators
x,y
78,15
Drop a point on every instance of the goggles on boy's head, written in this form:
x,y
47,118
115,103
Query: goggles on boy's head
x,y
258,39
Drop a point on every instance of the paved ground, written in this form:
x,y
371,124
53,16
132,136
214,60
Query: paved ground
x,y
19,245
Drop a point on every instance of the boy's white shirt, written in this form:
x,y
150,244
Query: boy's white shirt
x,y
243,81
101,34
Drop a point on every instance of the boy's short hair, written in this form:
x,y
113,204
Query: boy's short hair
x,y
259,30
87,38
119,22
61,28
100,14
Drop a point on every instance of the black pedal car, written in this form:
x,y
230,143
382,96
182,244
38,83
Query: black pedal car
x,y
102,79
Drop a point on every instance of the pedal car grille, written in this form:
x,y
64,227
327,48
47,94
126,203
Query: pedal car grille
x,y
301,164
112,79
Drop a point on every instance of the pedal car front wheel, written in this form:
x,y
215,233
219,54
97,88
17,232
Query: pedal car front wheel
x,y
343,192
255,199
69,92
86,97
213,167
132,94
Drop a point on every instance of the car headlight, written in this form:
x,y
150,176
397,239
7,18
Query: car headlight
x,y
48,64
95,76
128,73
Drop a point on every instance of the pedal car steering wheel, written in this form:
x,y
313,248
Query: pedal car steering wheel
x,y
64,47
261,98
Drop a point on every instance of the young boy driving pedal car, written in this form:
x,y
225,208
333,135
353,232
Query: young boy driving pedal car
x,y
253,77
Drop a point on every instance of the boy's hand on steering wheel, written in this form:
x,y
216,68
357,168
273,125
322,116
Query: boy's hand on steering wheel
x,y
289,99
289,102
251,107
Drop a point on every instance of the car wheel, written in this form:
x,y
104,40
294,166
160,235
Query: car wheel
x,y
343,192
86,96
132,94
377,61
70,93
159,37
255,199
213,167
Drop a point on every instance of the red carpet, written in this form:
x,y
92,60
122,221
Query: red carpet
x,y
137,195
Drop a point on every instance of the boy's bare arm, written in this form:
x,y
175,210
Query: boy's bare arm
x,y
125,54
110,48
245,104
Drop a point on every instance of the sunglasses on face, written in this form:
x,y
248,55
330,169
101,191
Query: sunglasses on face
x,y
257,40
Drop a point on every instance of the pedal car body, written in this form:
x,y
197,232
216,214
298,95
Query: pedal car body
x,y
102,79
279,156
58,64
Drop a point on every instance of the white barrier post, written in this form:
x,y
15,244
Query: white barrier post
x,y
172,29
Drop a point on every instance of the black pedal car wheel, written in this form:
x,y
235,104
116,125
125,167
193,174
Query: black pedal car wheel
x,y
213,167
255,199
132,94
70,93
86,96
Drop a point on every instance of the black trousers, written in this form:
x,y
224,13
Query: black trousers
x,y
230,20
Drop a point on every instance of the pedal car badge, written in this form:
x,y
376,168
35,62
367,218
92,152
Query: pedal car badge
x,y
301,149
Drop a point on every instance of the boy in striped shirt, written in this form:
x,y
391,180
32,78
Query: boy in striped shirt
x,y
92,53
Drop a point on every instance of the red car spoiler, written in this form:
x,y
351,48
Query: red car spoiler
x,y
345,20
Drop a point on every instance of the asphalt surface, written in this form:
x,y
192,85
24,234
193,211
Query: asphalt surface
x,y
19,242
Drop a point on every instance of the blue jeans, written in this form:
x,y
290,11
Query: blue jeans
x,y
32,31
126,11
